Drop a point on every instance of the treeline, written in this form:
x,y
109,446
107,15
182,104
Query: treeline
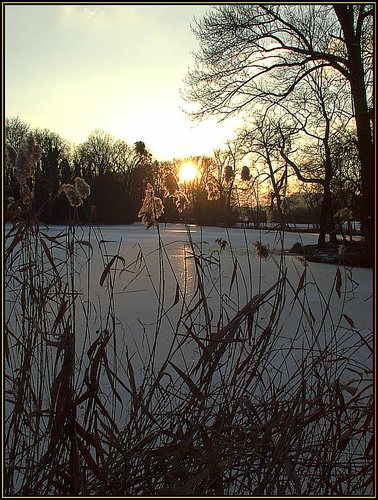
x,y
116,172
224,192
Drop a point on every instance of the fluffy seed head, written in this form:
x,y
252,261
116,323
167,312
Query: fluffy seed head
x,y
152,207
26,193
83,189
27,157
10,155
73,197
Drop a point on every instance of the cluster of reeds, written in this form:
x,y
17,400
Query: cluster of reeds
x,y
254,411
23,163
240,421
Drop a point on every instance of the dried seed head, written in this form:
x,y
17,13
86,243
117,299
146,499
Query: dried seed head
x,y
262,250
13,209
73,197
10,155
171,183
302,260
26,193
24,167
76,194
342,250
27,157
83,189
158,207
221,242
152,207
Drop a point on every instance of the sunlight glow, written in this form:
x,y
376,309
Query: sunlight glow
x,y
188,172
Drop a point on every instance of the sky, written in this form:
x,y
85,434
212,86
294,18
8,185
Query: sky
x,y
119,68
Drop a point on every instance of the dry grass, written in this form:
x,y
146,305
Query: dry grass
x,y
238,421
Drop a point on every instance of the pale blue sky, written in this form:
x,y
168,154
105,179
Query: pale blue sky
x,y
74,69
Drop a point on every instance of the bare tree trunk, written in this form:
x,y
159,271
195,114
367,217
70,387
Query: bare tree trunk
x,y
345,15
327,224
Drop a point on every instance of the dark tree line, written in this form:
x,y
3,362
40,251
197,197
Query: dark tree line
x,y
223,193
116,172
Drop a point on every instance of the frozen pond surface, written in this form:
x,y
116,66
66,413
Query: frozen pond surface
x,y
158,276
231,277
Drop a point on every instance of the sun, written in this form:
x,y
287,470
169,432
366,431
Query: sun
x,y
188,172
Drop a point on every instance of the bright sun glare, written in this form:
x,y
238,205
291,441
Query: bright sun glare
x,y
188,172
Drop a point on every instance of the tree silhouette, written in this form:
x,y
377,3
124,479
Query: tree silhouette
x,y
259,54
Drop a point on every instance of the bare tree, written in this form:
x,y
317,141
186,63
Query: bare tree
x,y
259,54
262,142
54,166
15,132
122,157
226,161
54,150
359,47
96,153
318,107
346,184
303,135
